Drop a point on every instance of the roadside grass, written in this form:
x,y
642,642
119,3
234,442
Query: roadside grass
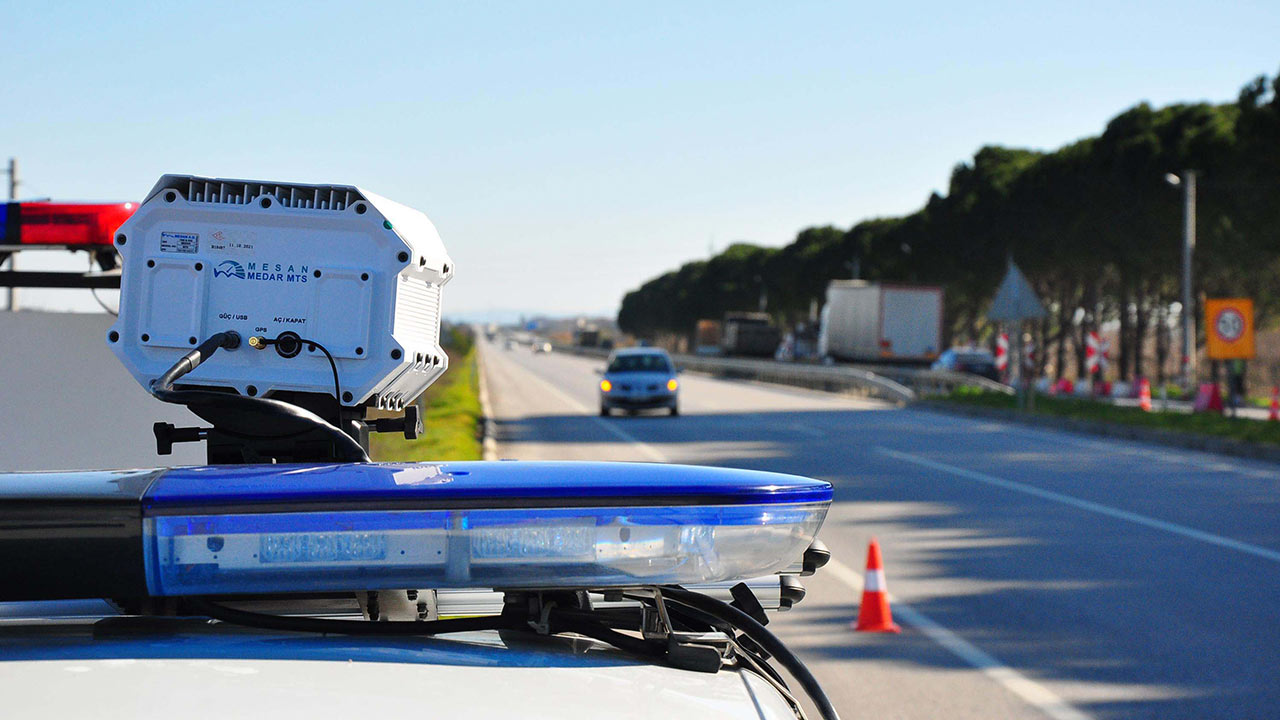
x,y
1256,431
451,417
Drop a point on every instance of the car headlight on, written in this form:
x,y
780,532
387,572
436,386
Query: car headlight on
x,y
606,386
672,384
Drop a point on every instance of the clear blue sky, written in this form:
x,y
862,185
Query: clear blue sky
x,y
569,151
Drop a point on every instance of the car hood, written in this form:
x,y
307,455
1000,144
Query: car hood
x,y
71,672
221,688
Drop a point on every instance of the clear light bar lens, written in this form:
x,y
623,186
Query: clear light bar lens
x,y
370,550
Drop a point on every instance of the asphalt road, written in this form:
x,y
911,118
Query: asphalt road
x,y
1035,573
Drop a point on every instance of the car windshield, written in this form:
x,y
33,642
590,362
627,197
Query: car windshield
x,y
651,362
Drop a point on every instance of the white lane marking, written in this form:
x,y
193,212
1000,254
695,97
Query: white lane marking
x,y
1087,505
648,450
1030,691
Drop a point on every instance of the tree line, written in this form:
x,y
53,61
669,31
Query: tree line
x,y
1095,226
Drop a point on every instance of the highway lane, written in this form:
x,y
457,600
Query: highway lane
x,y
1038,573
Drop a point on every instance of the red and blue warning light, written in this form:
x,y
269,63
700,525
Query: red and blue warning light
x,y
57,224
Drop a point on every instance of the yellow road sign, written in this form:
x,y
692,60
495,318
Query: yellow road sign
x,y
1228,326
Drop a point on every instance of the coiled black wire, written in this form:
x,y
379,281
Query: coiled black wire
x,y
345,447
559,621
266,621
733,618
333,366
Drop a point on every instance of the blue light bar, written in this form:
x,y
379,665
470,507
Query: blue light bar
x,y
278,529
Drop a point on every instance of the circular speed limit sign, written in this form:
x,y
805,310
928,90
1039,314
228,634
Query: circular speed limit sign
x,y
1229,324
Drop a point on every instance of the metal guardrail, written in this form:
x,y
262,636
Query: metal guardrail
x,y
895,384
832,378
936,382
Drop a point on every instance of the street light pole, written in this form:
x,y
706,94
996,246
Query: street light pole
x,y
1188,247
13,257
1188,183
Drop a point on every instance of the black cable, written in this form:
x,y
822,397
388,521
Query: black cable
x,y
94,292
568,621
333,366
559,621
737,619
267,621
692,618
103,305
205,402
162,388
337,397
195,358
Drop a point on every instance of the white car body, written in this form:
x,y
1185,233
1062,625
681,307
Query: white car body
x,y
53,664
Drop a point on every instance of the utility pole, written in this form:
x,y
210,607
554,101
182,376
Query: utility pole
x,y
13,257
1188,183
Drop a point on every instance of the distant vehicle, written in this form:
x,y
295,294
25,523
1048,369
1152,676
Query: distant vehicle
x,y
805,341
707,338
876,322
541,346
639,378
507,344
749,333
587,337
975,361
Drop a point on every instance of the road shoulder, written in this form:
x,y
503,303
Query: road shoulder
x,y
1170,438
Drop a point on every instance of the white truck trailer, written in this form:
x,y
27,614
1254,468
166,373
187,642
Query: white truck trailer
x,y
877,322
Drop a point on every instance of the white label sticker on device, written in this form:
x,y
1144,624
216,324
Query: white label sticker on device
x,y
179,242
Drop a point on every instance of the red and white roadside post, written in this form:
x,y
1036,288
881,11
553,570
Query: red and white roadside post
x,y
1002,356
1092,358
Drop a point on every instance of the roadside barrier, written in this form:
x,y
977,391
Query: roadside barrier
x,y
895,384
1275,403
874,614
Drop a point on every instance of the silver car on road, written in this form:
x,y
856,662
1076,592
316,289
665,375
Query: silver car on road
x,y
639,378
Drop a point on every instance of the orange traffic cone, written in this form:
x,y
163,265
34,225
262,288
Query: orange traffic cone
x,y
1275,403
1144,395
874,614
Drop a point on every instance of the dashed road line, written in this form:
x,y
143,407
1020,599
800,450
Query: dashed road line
x,y
1030,691
1087,505
648,450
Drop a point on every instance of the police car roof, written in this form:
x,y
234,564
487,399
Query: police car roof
x,y
161,667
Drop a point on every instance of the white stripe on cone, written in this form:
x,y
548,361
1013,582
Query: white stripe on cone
x,y
875,581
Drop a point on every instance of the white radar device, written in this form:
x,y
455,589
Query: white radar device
x,y
294,270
